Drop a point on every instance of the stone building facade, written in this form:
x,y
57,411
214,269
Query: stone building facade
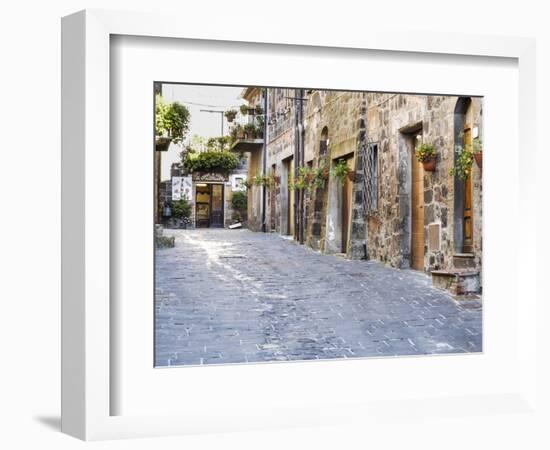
x,y
391,210
252,148
209,194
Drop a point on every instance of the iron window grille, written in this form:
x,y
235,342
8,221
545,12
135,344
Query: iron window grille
x,y
370,178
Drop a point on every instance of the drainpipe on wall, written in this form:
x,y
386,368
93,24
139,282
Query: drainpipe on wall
x,y
264,162
297,199
301,135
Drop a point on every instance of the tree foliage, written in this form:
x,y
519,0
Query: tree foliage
x,y
171,120
212,162
239,201
182,209
218,144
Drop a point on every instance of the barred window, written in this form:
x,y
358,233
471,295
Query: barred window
x,y
371,172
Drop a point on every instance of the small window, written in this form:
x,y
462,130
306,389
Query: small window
x,y
371,166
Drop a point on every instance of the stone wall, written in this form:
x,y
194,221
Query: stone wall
x,y
229,212
334,117
394,121
281,135
344,124
254,192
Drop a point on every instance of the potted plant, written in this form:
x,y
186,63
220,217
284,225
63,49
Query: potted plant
x,y
259,132
264,180
320,175
171,123
182,210
230,115
463,164
239,203
427,155
244,109
477,148
240,132
323,170
258,110
258,180
162,143
341,170
250,131
298,183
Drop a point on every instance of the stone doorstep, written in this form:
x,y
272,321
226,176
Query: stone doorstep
x,y
456,272
464,261
457,281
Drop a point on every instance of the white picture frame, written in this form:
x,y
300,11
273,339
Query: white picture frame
x,y
87,316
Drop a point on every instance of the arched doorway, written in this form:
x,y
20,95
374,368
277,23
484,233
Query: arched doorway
x,y
463,189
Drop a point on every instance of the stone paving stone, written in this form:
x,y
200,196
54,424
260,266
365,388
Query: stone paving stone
x,y
234,296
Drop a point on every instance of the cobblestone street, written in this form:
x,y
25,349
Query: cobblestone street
x,y
234,296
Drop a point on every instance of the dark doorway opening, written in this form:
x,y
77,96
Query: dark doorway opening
x,y
209,211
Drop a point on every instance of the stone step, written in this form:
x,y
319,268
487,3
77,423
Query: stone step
x,y
457,281
464,261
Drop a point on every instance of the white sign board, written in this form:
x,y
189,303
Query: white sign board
x,y
237,182
182,187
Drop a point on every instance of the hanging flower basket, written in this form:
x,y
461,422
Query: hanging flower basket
x,y
429,164
230,115
479,159
162,143
427,155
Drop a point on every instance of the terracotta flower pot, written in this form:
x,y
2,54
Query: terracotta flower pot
x,y
479,159
429,164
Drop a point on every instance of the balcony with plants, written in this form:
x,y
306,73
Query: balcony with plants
x,y
247,135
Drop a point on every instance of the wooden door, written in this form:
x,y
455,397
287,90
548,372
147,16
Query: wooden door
x,y
272,199
202,206
468,228
417,212
347,194
216,205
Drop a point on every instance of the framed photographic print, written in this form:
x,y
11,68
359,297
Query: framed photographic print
x,y
313,240
382,192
